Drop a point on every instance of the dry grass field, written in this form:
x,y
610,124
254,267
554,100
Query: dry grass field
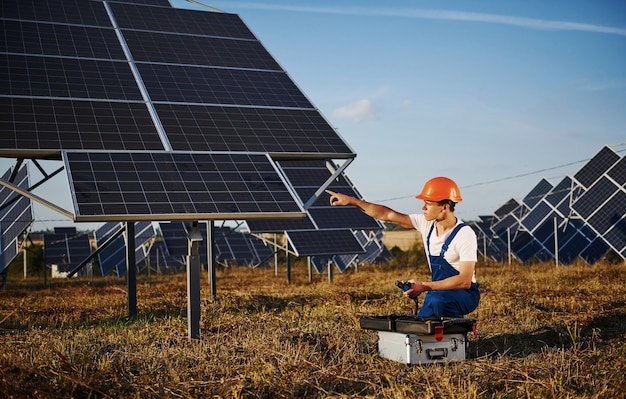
x,y
545,332
403,239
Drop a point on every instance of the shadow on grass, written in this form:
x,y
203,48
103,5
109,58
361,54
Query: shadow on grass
x,y
597,332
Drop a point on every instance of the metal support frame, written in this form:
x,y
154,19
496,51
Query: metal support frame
x,y
210,254
288,263
131,270
193,282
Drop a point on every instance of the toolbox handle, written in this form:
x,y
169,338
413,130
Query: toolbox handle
x,y
437,353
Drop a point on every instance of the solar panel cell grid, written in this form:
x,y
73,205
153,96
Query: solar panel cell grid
x,y
570,251
66,77
201,85
53,124
318,242
592,200
180,21
78,12
596,167
22,37
536,216
609,214
66,248
507,208
618,172
254,188
198,50
559,192
594,251
160,3
537,193
347,218
616,236
213,128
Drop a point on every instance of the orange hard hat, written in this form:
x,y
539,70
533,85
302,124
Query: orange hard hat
x,y
439,189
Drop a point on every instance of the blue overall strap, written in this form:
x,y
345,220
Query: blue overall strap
x,y
446,244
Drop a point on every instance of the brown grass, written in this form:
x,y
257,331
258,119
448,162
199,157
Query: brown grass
x,y
545,332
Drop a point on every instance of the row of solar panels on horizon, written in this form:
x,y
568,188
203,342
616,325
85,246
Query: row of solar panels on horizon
x,y
583,216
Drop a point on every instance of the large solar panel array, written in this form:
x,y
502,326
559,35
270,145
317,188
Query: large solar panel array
x,y
86,80
66,248
16,215
583,216
112,258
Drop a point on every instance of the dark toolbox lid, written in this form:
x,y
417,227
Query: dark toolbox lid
x,y
411,324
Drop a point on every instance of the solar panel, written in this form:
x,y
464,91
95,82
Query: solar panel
x,y
176,242
535,217
279,226
33,126
560,193
194,84
596,167
324,242
320,262
594,198
526,247
162,47
537,193
343,262
231,247
238,248
595,251
273,130
113,257
177,186
180,21
79,12
36,76
333,217
507,208
66,248
610,213
618,172
161,3
30,38
15,217
616,236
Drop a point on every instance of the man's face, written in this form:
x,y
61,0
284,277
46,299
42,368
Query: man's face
x,y
432,210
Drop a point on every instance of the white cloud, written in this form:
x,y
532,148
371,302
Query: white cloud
x,y
360,111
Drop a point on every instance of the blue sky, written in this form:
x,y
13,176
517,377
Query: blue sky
x,y
494,94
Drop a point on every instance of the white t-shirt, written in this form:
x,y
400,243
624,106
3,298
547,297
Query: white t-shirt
x,y
463,247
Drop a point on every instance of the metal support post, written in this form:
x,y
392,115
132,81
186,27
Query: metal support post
x,y
210,253
193,283
131,270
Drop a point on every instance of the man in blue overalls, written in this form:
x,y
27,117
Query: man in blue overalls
x,y
450,245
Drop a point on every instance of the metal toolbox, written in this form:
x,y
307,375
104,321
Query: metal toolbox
x,y
421,349
416,340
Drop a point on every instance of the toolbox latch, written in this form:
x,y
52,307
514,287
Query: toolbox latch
x,y
438,333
